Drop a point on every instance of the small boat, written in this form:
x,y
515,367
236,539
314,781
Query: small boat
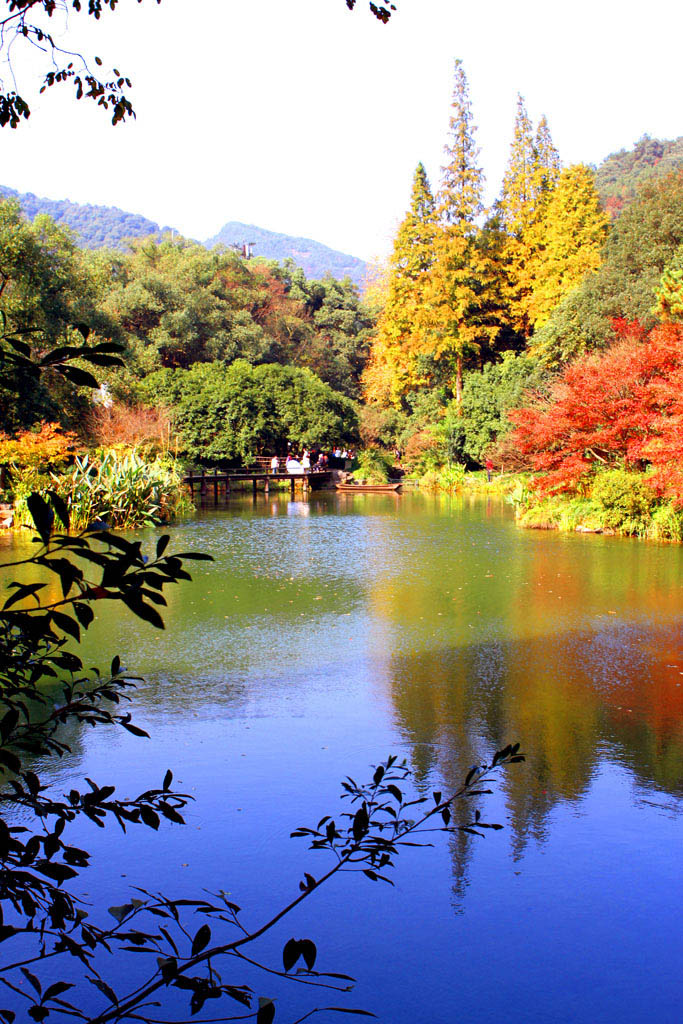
x,y
367,488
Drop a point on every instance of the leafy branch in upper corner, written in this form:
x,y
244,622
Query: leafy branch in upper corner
x,y
29,25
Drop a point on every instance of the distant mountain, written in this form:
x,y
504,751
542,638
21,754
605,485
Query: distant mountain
x,y
621,174
315,259
96,227
100,227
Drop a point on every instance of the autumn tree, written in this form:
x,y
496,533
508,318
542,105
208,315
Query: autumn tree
x,y
392,369
566,241
547,164
641,243
530,178
621,408
451,319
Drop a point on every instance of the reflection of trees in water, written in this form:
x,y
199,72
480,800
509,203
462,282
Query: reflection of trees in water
x,y
558,696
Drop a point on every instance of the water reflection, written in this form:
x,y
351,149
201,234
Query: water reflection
x,y
332,631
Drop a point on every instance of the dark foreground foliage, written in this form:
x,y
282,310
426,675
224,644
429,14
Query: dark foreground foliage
x,y
191,946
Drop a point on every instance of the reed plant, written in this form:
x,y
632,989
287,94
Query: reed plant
x,y
120,488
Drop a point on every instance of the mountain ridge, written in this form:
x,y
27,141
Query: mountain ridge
x,y
98,227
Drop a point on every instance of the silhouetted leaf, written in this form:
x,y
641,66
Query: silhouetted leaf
x,y
266,1011
290,953
201,939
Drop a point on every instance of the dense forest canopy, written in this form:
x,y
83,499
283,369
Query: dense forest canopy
x,y
175,306
620,175
477,313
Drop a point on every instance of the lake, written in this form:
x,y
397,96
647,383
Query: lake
x,y
331,633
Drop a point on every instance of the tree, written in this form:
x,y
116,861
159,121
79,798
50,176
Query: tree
x,y
639,246
488,396
27,29
568,240
608,410
529,181
393,369
547,165
449,316
230,413
669,295
518,198
48,302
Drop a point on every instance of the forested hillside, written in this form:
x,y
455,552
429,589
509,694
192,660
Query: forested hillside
x,y
96,227
107,227
621,174
315,259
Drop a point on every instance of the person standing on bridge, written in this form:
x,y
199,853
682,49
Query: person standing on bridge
x,y
274,465
306,461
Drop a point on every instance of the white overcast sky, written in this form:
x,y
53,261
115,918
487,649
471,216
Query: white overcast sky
x,y
300,116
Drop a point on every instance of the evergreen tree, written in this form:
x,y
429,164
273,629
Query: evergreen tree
x,y
391,371
669,294
547,164
450,319
518,200
566,241
460,199
530,179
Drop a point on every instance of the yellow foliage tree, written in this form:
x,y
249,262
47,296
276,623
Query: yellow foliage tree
x,y
566,241
391,370
530,178
669,294
449,317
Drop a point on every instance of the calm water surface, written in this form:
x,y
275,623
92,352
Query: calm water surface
x,y
330,633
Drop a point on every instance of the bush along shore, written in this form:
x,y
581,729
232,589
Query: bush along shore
x,y
122,486
616,502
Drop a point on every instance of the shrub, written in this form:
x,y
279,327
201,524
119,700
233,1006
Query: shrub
x,y
137,426
48,446
422,452
373,466
625,500
122,489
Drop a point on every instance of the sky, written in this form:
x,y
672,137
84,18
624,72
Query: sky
x,y
303,117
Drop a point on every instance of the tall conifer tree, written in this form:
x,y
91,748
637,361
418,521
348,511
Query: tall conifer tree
x,y
450,320
547,167
518,200
531,176
569,238
391,370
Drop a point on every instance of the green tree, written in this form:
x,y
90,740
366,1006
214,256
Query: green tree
x,y
231,413
488,395
47,297
332,335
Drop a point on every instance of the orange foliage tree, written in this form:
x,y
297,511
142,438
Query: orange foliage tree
x,y
48,446
623,407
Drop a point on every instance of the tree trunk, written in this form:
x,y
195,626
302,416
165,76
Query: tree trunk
x,y
458,380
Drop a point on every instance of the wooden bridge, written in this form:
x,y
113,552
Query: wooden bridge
x,y
225,480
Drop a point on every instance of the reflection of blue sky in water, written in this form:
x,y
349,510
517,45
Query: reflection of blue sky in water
x,y
327,635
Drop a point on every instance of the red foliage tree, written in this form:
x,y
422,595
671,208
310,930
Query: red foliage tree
x,y
623,407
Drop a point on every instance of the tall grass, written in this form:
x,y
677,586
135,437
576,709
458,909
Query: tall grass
x,y
123,490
